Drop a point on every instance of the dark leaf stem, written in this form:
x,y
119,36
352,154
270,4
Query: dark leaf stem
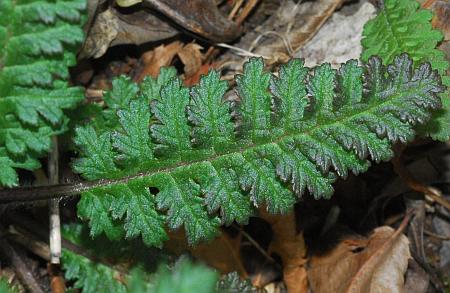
x,y
27,194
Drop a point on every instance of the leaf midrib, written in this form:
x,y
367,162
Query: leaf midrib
x,y
87,185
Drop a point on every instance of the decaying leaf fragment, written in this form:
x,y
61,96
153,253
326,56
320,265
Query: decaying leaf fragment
x,y
159,57
189,54
191,57
111,28
374,264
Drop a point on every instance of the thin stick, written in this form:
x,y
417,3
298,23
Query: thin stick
x,y
53,205
240,51
57,282
286,42
415,185
427,4
254,243
37,247
235,254
235,9
246,11
24,226
41,249
213,51
437,236
291,23
19,266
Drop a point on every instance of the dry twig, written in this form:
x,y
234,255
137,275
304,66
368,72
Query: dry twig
x,y
18,264
431,192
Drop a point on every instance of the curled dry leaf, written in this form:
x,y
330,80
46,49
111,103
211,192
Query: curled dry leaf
x,y
201,17
103,31
111,28
192,58
117,26
302,21
190,55
374,264
157,58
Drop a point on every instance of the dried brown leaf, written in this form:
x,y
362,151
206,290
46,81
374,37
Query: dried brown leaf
x,y
203,70
328,45
111,28
288,29
302,25
202,17
358,264
157,58
192,58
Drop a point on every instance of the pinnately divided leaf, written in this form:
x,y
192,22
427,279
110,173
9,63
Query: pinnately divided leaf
x,y
402,26
182,159
91,277
130,267
38,42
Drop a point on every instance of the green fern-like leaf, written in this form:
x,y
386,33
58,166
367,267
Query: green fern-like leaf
x,y
92,277
38,40
402,26
186,161
89,276
185,278
98,269
131,267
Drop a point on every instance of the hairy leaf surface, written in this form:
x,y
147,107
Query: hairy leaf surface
x,y
402,26
195,165
129,266
38,41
